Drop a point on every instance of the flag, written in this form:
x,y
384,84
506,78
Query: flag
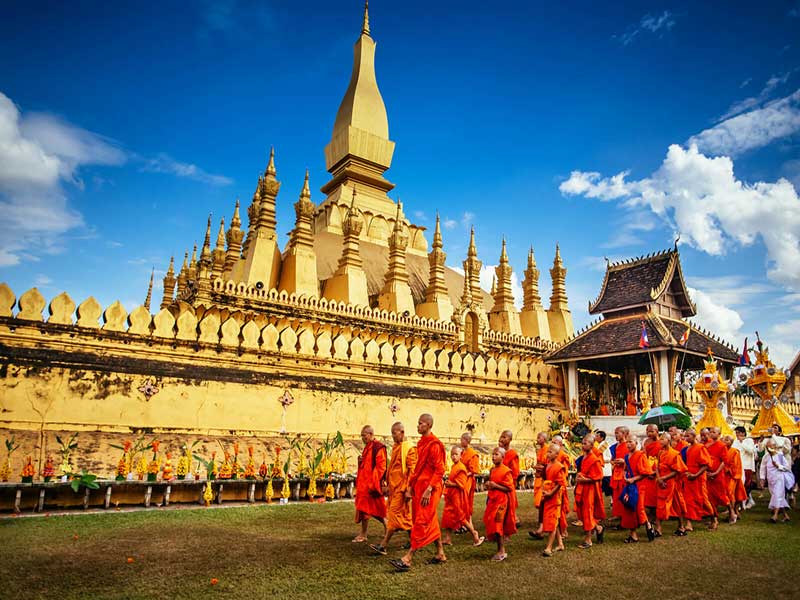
x,y
643,341
685,337
744,359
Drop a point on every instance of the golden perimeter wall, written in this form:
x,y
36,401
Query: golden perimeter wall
x,y
213,373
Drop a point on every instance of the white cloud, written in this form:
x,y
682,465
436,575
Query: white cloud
x,y
450,223
649,23
701,198
163,163
783,342
488,274
718,318
754,101
754,129
42,280
732,290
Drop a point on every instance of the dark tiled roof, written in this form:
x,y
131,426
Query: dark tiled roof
x,y
630,283
617,336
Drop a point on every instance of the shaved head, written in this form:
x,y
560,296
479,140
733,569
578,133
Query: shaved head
x,y
398,426
508,433
367,429
466,436
427,418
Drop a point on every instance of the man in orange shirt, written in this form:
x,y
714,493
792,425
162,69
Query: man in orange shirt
x,y
511,460
539,477
499,518
425,490
472,462
401,465
588,495
670,467
455,514
370,481
718,493
651,448
695,492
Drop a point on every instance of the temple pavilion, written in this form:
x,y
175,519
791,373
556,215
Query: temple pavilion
x,y
629,358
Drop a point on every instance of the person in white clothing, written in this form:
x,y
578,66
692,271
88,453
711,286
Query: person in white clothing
x,y
747,450
782,444
777,473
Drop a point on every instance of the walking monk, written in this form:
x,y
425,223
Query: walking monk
x,y
425,491
472,461
538,481
455,514
401,465
695,493
637,470
618,453
511,460
668,502
588,494
499,518
651,449
555,480
718,493
370,481
735,473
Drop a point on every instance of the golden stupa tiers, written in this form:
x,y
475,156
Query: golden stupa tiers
x,y
712,388
768,382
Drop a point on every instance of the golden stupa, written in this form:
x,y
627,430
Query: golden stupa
x,y
768,382
712,388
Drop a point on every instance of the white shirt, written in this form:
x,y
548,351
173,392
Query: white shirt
x,y
747,450
606,458
782,444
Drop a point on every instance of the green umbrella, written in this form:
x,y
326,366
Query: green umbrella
x,y
662,415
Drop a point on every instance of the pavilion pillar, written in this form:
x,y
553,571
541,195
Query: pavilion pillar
x,y
664,378
571,387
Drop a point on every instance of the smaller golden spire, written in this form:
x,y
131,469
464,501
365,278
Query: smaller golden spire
x,y
472,251
271,172
221,235
503,253
466,294
205,253
169,286
437,234
170,272
236,221
306,191
365,24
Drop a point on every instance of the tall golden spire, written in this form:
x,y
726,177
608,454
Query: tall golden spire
x,y
530,285
473,266
396,293
150,287
365,24
558,315
268,192
183,275
218,256
169,286
533,317
205,253
504,316
437,303
192,272
234,238
299,270
349,282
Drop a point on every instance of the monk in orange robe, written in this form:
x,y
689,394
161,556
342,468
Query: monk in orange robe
x,y
425,490
695,492
456,497
618,453
676,438
670,467
554,480
538,480
718,493
370,481
565,459
631,406
588,493
651,449
637,470
398,507
472,461
735,473
511,460
499,518
680,446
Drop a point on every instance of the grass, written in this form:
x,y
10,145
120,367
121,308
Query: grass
x,y
304,551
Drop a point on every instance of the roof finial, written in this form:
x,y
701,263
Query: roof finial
x,y
503,253
437,233
271,164
152,275
677,239
365,24
306,191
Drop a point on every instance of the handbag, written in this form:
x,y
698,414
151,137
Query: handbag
x,y
630,493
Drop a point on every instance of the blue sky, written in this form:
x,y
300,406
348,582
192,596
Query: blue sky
x,y
122,125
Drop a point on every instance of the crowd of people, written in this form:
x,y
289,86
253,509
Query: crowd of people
x,y
689,476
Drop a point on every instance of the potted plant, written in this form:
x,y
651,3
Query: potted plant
x,y
5,470
153,467
49,470
28,471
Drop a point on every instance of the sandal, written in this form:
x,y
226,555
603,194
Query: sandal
x,y
601,535
399,565
436,561
547,553
679,532
535,535
479,542
630,540
651,533
584,545
499,557
378,549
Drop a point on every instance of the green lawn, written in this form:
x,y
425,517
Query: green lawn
x,y
304,551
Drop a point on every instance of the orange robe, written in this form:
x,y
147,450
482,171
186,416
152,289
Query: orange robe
x,y
499,517
589,496
398,507
511,460
680,445
565,460
718,485
735,484
541,465
369,481
555,474
618,478
695,493
648,486
429,471
668,502
472,461
632,518
455,512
